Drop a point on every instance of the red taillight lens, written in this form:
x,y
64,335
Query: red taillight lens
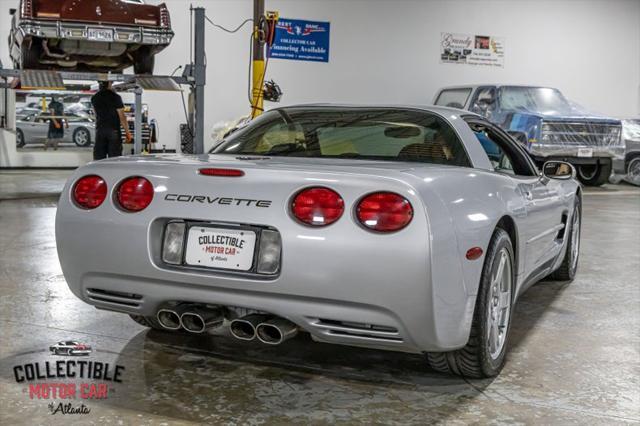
x,y
89,192
135,194
317,206
165,19
221,172
27,9
384,212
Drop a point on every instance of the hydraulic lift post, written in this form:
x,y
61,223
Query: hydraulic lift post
x,y
200,77
257,104
137,131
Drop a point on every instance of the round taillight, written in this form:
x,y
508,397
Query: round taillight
x,y
384,212
317,206
135,194
89,192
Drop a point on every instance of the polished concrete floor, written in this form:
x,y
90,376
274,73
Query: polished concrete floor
x,y
574,356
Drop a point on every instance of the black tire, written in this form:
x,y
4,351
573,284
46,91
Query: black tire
x,y
569,266
144,62
30,55
475,360
633,171
594,174
20,139
78,134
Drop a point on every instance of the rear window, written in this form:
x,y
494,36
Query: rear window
x,y
453,98
371,134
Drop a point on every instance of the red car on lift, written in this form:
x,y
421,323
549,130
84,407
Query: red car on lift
x,y
88,35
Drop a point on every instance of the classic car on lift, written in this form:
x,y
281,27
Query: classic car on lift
x,y
548,125
96,35
402,228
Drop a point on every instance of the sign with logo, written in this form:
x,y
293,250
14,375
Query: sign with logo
x,y
471,49
68,377
301,40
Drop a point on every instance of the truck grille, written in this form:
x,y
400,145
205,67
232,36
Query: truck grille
x,y
580,134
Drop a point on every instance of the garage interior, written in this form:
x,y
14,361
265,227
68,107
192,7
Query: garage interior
x,y
574,349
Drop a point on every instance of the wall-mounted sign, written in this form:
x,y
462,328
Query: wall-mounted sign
x,y
471,49
301,40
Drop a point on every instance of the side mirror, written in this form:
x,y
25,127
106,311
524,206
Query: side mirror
x,y
12,11
560,170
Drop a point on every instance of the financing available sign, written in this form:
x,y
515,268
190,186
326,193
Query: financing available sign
x,y
301,40
471,49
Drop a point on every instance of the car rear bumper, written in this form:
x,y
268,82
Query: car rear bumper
x,y
79,31
371,291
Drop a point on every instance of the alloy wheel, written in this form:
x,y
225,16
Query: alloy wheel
x,y
81,137
499,305
575,240
633,172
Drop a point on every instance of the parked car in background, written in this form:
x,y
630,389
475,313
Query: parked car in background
x,y
548,125
34,128
631,137
98,35
82,107
26,110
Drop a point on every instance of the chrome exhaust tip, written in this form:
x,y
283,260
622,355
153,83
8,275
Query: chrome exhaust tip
x,y
276,331
168,319
245,328
200,319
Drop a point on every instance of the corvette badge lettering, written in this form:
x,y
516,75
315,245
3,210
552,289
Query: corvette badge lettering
x,y
225,201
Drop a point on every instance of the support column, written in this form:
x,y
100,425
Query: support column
x,y
200,75
137,131
257,97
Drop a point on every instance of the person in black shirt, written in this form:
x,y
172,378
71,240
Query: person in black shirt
x,y
109,117
56,131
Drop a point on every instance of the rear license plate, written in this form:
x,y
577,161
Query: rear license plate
x,y
100,34
220,248
585,152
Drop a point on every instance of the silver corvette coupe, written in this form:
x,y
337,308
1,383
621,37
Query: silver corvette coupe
x,y
402,228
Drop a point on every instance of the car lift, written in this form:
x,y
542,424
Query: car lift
x,y
194,76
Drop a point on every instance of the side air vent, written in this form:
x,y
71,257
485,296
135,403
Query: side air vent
x,y
114,297
356,330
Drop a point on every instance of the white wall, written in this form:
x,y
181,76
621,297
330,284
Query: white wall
x,y
388,52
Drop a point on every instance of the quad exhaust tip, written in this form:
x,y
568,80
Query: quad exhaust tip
x,y
169,319
200,319
276,331
245,328
191,317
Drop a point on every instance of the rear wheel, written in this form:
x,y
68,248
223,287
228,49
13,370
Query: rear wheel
x,y
82,137
594,174
30,55
569,265
20,139
484,354
144,62
633,171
